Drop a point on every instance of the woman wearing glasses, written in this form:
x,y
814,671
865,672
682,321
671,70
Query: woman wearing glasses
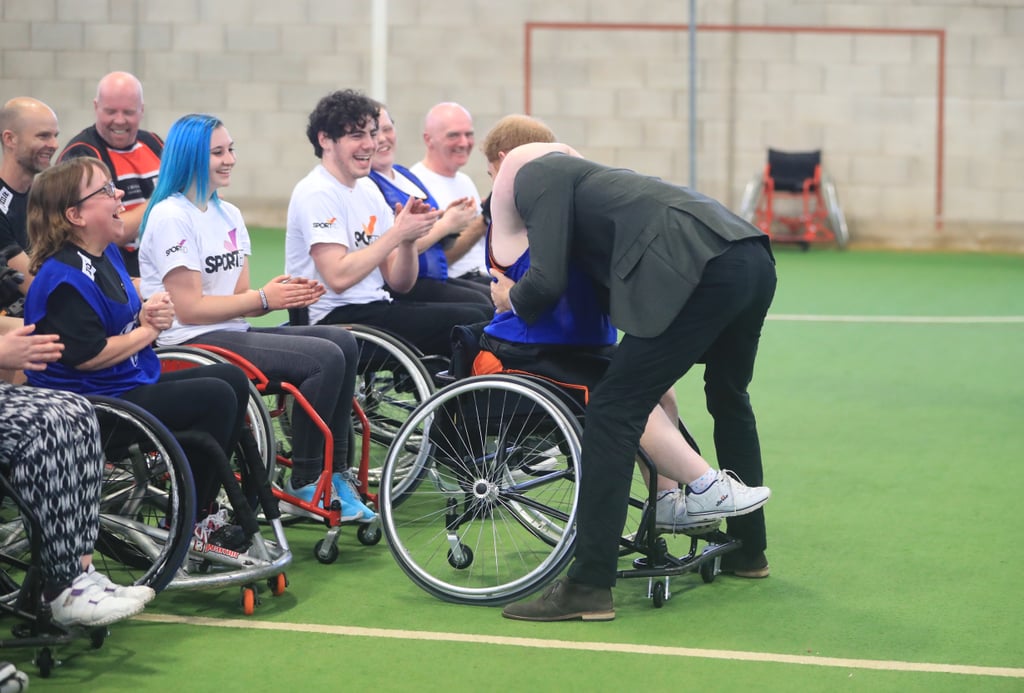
x,y
82,293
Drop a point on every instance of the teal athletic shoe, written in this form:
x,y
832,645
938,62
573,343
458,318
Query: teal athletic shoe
x,y
349,511
345,487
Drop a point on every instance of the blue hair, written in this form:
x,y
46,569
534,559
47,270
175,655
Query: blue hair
x,y
185,161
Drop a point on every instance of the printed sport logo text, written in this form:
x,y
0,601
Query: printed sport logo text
x,y
180,245
365,237
229,260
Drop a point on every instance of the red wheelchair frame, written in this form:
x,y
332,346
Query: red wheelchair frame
x,y
798,175
320,506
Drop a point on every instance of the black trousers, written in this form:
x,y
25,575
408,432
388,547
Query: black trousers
x,y
428,326
720,325
428,290
211,399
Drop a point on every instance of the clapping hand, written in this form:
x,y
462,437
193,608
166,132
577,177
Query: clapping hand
x,y
285,291
157,312
413,220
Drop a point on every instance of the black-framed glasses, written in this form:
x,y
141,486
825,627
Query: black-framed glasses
x,y
109,188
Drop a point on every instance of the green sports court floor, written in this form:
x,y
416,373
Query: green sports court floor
x,y
890,396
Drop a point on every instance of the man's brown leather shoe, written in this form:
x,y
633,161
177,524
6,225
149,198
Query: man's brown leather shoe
x,y
565,600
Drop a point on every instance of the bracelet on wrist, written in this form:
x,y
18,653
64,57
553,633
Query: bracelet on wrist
x,y
263,299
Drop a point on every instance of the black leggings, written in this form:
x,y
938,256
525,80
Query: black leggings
x,y
320,361
207,399
427,326
451,291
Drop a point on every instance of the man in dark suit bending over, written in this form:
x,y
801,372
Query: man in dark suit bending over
x,y
687,281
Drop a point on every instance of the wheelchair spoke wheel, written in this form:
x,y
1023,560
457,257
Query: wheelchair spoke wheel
x,y
392,382
490,515
147,500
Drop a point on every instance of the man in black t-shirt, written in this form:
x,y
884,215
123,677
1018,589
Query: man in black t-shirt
x,y
28,129
28,135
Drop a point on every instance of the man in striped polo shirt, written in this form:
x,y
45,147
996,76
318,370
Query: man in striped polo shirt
x,y
133,155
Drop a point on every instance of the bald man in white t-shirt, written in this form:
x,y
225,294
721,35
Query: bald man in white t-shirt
x,y
448,136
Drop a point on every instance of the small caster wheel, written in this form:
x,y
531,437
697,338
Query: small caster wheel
x,y
44,660
249,600
707,571
277,584
326,553
461,562
97,636
658,596
369,534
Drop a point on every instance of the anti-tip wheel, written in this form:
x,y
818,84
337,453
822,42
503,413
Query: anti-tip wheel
x,y
369,534
277,584
658,596
707,571
463,562
249,600
326,553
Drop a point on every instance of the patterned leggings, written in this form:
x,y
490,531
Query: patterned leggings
x,y
50,450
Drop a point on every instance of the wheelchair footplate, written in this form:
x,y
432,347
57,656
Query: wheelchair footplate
x,y
656,562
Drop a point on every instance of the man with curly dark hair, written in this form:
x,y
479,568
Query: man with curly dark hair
x,y
342,233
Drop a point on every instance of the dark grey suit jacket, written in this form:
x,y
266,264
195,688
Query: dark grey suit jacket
x,y
643,241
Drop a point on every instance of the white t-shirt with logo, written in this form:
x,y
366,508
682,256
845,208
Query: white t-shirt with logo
x,y
447,189
323,210
214,243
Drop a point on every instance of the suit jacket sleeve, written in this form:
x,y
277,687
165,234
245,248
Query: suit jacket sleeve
x,y
545,201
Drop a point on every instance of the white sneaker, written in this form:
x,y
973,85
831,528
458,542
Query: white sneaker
x,y
726,497
85,603
142,593
670,515
12,680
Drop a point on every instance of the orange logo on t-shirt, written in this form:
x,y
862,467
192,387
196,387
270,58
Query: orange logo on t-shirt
x,y
368,229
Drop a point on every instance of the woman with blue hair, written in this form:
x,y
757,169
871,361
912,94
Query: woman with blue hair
x,y
196,247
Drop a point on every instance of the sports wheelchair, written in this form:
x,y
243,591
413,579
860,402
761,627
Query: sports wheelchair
x,y
270,406
395,377
21,586
795,201
147,510
479,496
146,516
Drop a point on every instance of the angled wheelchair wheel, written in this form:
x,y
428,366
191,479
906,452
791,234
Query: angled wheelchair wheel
x,y
392,382
147,501
836,218
484,511
257,409
20,572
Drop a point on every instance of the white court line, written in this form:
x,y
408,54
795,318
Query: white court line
x,y
904,319
878,665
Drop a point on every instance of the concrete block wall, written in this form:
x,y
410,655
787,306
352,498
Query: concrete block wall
x,y
868,99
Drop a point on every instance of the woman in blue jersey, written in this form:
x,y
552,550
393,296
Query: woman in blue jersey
x,y
572,343
85,296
